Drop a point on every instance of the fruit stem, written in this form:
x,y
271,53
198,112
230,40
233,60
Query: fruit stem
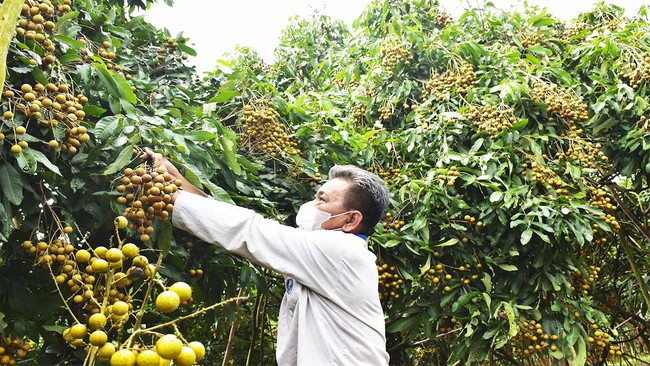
x,y
189,316
65,303
145,299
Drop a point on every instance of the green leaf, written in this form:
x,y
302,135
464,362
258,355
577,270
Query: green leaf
x,y
165,238
122,160
448,243
223,96
508,267
403,324
526,236
11,184
229,151
496,196
41,158
124,87
581,357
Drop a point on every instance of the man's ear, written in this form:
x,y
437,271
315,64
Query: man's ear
x,y
353,222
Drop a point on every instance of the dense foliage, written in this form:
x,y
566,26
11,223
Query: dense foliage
x,y
516,148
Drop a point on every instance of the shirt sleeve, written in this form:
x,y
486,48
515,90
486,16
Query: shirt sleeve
x,y
314,258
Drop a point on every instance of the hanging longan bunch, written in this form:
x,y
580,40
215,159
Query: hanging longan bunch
x,y
392,222
359,111
263,131
461,79
529,39
49,105
601,347
581,151
532,339
389,282
491,119
393,52
386,113
598,198
582,285
12,350
443,18
146,193
560,101
36,25
638,73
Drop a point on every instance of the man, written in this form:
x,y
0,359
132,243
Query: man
x,y
330,313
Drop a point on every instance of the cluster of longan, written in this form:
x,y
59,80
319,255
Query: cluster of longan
x,y
639,72
598,198
560,101
168,347
532,339
147,193
84,272
170,47
386,113
441,277
95,331
461,80
12,350
389,282
263,131
342,84
48,105
491,118
425,356
601,347
449,175
393,52
544,176
389,175
392,222
528,39
443,18
359,111
447,324
37,25
581,151
581,284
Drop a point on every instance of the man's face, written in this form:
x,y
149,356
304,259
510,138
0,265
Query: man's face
x,y
330,198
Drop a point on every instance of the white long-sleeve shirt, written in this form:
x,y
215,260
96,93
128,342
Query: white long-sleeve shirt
x,y
330,313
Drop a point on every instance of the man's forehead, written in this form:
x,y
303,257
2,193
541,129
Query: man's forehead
x,y
334,186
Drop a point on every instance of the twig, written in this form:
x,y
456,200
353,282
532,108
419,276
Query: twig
x,y
231,335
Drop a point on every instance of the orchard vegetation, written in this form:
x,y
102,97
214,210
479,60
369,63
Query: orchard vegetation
x,y
516,147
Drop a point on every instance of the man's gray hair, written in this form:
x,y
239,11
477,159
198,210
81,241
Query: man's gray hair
x,y
368,193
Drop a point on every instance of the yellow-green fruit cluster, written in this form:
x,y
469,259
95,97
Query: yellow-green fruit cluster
x,y
447,324
263,131
582,285
532,339
392,222
598,198
389,282
393,52
12,350
443,18
81,274
50,105
580,151
36,25
529,39
147,193
386,113
491,119
449,176
544,176
601,347
639,72
560,101
359,111
460,78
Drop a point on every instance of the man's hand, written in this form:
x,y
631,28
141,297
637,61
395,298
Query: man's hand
x,y
158,159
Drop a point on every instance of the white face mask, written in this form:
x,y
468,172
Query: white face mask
x,y
311,218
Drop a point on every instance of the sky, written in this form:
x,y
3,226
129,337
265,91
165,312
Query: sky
x,y
216,27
